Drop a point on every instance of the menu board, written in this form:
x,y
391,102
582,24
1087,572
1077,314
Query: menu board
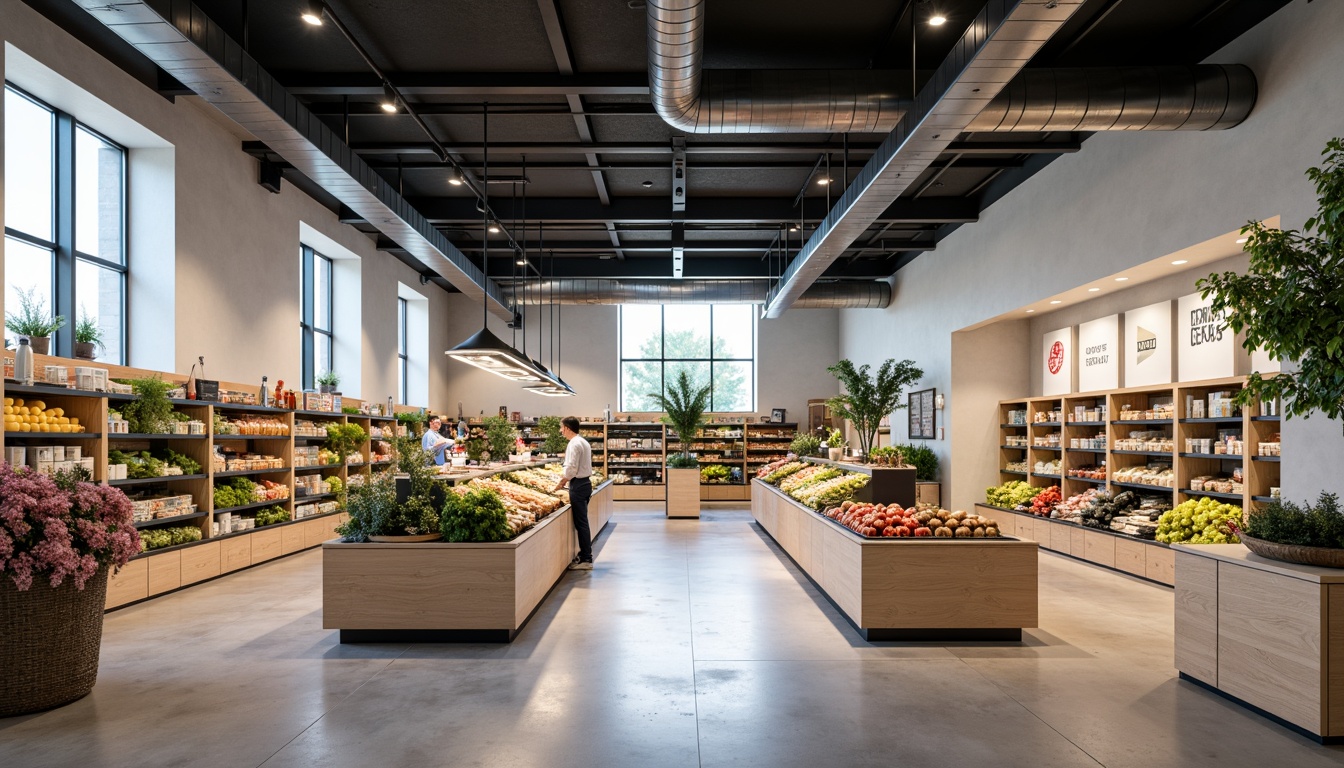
x,y
922,415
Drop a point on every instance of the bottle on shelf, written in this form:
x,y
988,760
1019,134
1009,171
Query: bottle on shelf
x,y
23,363
265,393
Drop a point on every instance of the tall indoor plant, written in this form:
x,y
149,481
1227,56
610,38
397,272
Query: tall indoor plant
x,y
1290,302
33,321
59,538
684,406
867,400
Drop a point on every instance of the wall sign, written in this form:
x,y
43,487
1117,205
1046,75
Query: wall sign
x,y
1057,360
922,415
1205,347
1099,354
1148,349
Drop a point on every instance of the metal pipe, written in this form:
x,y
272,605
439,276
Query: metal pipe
x,y
855,294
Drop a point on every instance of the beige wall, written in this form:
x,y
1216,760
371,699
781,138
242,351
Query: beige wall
x,y
1126,199
236,297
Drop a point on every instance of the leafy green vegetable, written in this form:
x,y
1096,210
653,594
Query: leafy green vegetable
x,y
1011,494
805,444
477,515
158,538
151,412
271,516
1284,522
236,493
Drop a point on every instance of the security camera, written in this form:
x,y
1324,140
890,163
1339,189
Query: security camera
x,y
424,279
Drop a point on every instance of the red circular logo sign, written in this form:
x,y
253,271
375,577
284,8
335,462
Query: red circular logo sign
x,y
1056,357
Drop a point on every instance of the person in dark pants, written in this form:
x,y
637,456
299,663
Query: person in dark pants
x,y
578,476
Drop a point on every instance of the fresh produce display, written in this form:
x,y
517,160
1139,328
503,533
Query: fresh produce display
x,y
1142,522
240,491
1106,508
472,514
1071,509
143,464
541,479
1284,522
271,516
813,474
518,499
158,538
832,491
1043,503
715,473
880,520
34,416
779,473
1200,521
1011,494
764,471
805,444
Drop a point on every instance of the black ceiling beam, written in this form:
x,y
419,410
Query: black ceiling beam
x,y
466,84
372,108
594,247
625,148
462,211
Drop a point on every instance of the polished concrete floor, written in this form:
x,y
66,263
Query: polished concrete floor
x,y
691,643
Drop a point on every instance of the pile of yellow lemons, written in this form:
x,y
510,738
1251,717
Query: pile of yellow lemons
x,y
35,416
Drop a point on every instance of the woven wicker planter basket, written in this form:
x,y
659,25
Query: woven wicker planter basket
x,y
1326,557
49,642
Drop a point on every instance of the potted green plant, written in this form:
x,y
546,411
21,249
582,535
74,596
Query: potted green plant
x,y
1289,303
413,421
345,439
805,444
555,442
835,445
62,537
684,406
374,514
328,381
867,400
88,338
33,321
500,437
151,413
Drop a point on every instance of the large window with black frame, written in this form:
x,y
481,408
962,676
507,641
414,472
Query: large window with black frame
x,y
315,319
402,356
715,344
65,232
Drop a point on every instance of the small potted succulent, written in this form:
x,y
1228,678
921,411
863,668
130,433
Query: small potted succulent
x,y
33,321
328,381
88,338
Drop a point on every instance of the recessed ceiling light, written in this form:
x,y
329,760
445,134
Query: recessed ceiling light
x,y
1093,290
1179,262
823,181
646,184
1056,301
1242,240
312,14
494,229
389,102
793,227
1121,279
937,20
521,262
456,178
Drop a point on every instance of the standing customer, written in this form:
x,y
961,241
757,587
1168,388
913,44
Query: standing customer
x,y
578,476
434,443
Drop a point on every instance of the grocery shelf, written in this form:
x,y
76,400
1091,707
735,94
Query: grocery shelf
x,y
1265,458
1047,448
311,468
326,414
1085,450
1012,426
115,436
1166,454
300,438
1265,499
1253,418
47,390
1144,487
248,472
253,505
11,436
314,497
1013,472
1044,474
1091,480
152,480
1214,420
1213,494
1045,424
173,519
244,408
1142,421
1215,456
254,437
1084,423
1014,447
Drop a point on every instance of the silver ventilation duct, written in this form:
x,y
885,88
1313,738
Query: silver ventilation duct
x,y
697,100
867,294
182,40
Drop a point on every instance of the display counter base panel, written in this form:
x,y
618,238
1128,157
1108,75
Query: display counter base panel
x,y
1299,730
644,492
1149,560
1263,633
440,592
159,572
968,589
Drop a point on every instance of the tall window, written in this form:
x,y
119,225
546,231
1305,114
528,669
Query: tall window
x,y
65,224
715,344
402,356
315,321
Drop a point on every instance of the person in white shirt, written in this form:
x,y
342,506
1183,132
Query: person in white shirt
x,y
434,443
578,476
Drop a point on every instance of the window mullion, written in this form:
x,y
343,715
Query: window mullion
x,y
63,289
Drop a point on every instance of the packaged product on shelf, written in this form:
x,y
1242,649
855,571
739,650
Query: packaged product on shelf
x,y
16,456
1046,467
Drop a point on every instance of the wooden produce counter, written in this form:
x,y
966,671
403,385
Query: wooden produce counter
x,y
887,485
441,592
1150,560
907,589
1264,633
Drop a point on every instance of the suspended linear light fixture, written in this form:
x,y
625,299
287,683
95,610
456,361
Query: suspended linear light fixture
x,y
558,387
484,349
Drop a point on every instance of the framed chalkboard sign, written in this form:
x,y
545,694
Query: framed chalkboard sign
x,y
922,415
207,390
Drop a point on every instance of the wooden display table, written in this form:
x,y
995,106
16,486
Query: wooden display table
x,y
888,485
907,589
441,592
1150,560
1266,634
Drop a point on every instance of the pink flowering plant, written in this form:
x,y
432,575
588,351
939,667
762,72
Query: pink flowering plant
x,y
61,527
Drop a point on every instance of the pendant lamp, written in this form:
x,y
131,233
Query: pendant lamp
x,y
557,387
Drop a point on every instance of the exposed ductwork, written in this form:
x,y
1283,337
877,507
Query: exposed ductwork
x,y
697,100
186,44
865,294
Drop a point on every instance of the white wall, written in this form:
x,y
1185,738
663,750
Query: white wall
x,y
236,298
792,355
1126,199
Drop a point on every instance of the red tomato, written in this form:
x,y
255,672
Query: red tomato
x,y
902,531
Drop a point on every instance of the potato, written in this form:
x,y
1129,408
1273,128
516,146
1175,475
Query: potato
x,y
963,532
991,532
978,533
958,515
